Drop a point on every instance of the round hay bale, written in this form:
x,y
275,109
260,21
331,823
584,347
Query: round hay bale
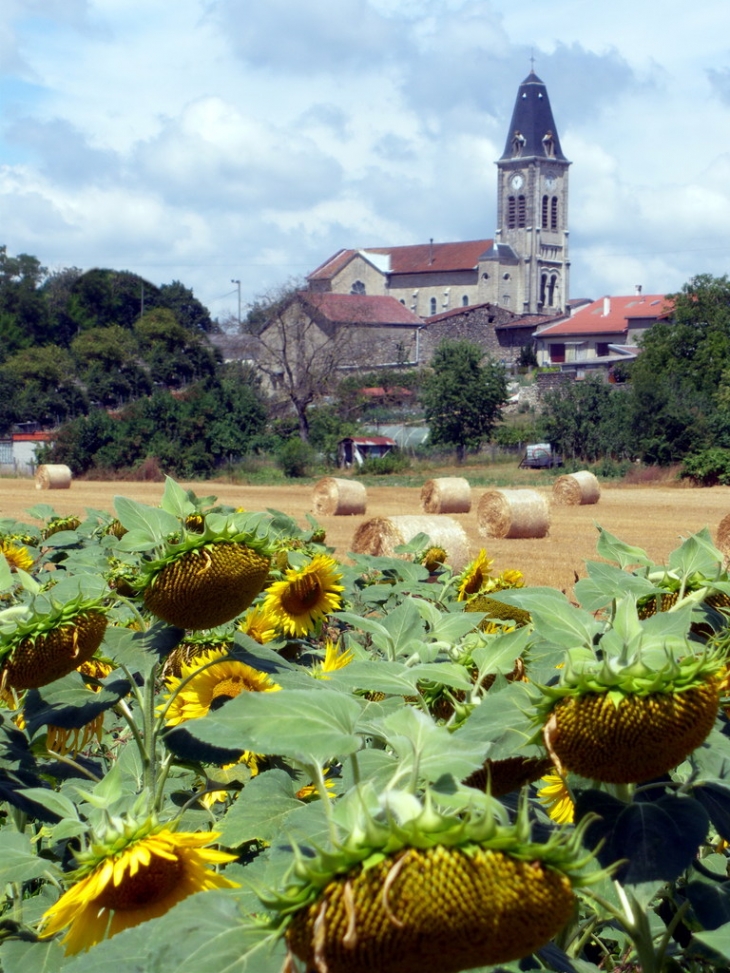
x,y
513,513
723,536
53,476
576,488
381,535
446,495
336,497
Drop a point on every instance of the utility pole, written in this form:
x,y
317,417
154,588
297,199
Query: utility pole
x,y
238,285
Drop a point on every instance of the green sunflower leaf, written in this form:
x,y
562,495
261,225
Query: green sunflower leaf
x,y
554,618
606,582
175,500
51,800
403,625
137,650
17,956
18,861
657,840
69,703
710,902
431,750
392,678
718,940
261,811
143,522
714,796
613,549
306,725
208,936
502,721
6,575
453,626
697,554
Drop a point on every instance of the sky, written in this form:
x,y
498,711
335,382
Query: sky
x,y
216,141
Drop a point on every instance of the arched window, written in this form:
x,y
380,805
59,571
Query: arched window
x,y
465,300
554,213
551,290
545,207
358,287
511,213
521,211
434,305
543,287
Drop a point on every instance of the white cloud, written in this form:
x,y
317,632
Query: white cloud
x,y
210,139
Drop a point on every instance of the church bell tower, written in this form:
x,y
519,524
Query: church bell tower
x,y
532,204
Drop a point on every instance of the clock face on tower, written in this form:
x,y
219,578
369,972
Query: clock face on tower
x,y
551,180
517,181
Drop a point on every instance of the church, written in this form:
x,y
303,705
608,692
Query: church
x,y
524,269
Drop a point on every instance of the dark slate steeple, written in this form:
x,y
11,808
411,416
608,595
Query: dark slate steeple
x,y
532,131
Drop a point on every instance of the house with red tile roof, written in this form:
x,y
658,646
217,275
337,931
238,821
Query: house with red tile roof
x,y
600,334
523,268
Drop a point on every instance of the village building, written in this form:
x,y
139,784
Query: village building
x,y
601,334
523,268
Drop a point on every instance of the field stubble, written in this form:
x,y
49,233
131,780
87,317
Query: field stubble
x,y
655,518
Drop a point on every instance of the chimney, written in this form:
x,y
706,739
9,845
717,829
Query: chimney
x,y
638,289
606,306
430,251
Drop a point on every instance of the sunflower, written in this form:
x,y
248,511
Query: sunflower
x,y
305,596
207,682
138,876
17,557
258,625
334,658
474,576
511,578
554,794
433,559
309,792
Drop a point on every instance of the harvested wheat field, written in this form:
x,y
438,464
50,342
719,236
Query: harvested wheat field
x,y
654,518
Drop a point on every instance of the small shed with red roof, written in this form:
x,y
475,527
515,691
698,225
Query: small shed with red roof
x,y
354,450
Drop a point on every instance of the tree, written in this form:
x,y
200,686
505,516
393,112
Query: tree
x,y
102,297
299,354
586,420
187,308
176,355
677,380
463,396
23,311
44,386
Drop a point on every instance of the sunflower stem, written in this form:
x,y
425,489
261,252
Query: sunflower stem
x,y
64,759
164,766
150,734
125,712
317,776
133,687
138,616
355,764
636,924
624,792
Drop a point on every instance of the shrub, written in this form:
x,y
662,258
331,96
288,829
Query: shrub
x,y
295,458
707,467
393,462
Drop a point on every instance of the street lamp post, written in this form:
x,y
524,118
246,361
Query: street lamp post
x,y
238,285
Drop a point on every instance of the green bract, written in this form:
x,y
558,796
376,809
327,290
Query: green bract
x,y
381,825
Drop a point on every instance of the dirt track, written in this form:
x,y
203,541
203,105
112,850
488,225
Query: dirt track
x,y
655,518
